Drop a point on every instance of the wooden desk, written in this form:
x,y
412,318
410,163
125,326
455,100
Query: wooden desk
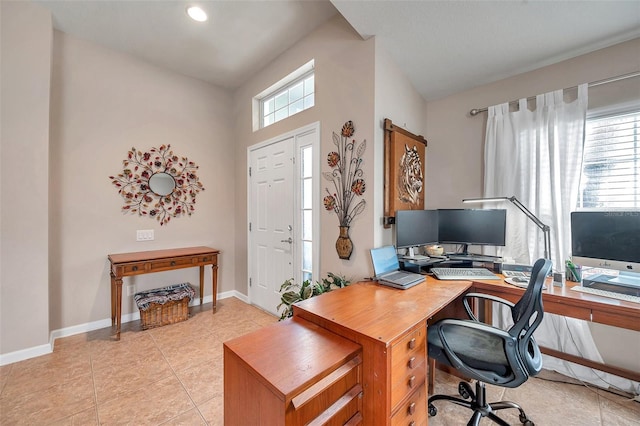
x,y
566,302
391,327
146,262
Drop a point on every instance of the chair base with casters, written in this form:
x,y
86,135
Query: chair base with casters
x,y
477,401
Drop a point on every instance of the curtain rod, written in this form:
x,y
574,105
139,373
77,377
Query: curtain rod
x,y
477,111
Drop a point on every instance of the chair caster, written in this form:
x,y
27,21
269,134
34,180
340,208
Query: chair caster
x,y
465,391
432,410
525,421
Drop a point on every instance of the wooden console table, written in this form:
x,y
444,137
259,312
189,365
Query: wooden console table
x,y
146,262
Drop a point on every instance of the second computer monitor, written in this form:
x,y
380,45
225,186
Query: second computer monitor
x,y
472,226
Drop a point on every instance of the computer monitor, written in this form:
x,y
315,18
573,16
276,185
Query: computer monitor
x,y
472,227
606,239
415,228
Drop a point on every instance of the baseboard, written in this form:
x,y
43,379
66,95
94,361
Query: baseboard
x,y
21,355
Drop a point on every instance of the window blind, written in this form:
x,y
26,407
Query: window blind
x,y
611,163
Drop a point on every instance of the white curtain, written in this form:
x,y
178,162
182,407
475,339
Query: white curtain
x,y
536,156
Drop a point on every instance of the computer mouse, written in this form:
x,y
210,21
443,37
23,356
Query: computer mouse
x,y
520,280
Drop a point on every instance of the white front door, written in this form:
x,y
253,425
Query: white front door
x,y
281,227
271,222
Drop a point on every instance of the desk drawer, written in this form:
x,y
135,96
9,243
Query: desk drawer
x,y
205,259
175,262
579,312
408,364
413,412
134,268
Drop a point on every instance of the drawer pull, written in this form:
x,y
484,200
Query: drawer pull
x,y
412,343
412,408
412,423
173,263
135,268
412,381
412,362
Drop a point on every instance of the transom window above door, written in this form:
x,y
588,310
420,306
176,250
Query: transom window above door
x,y
289,96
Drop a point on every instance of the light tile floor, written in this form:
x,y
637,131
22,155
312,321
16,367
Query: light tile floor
x,y
172,375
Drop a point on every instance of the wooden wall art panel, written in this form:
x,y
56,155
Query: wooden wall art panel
x,y
404,158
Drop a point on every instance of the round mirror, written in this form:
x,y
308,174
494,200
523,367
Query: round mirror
x,y
162,183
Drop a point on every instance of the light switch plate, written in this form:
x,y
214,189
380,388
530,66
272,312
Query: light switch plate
x,y
144,235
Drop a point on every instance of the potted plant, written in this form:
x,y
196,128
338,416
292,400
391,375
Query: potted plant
x,y
292,293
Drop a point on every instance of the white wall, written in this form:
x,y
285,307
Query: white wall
x,y
104,103
24,199
397,100
456,140
344,70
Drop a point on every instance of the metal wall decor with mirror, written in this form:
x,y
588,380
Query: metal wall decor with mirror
x,y
158,184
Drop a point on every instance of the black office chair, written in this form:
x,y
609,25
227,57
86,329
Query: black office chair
x,y
491,355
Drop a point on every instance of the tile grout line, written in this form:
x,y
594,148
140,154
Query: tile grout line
x,y
173,371
95,391
599,409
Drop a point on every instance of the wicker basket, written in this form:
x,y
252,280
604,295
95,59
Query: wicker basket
x,y
165,311
171,312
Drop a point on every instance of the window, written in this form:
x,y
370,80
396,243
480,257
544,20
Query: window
x,y
307,212
611,164
296,97
289,96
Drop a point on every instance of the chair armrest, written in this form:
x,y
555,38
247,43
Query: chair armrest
x,y
484,297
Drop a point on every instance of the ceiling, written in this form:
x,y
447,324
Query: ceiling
x,y
442,46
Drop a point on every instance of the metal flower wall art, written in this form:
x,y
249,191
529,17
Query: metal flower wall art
x,y
158,184
347,185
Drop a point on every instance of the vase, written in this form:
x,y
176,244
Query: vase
x,y
344,245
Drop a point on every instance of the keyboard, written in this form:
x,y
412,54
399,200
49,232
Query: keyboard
x,y
464,274
521,274
605,293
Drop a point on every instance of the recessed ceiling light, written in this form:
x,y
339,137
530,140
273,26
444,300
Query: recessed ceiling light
x,y
196,13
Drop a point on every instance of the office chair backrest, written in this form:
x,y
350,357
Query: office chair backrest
x,y
527,315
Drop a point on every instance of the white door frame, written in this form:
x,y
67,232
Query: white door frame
x,y
297,258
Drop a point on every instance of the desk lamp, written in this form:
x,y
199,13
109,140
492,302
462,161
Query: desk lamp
x,y
545,228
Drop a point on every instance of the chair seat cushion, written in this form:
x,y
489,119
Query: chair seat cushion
x,y
475,348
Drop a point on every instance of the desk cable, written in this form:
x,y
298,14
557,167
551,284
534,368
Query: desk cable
x,y
596,372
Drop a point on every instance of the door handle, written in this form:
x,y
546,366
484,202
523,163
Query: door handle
x,y
288,240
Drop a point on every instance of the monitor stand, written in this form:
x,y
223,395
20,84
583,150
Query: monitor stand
x,y
472,257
